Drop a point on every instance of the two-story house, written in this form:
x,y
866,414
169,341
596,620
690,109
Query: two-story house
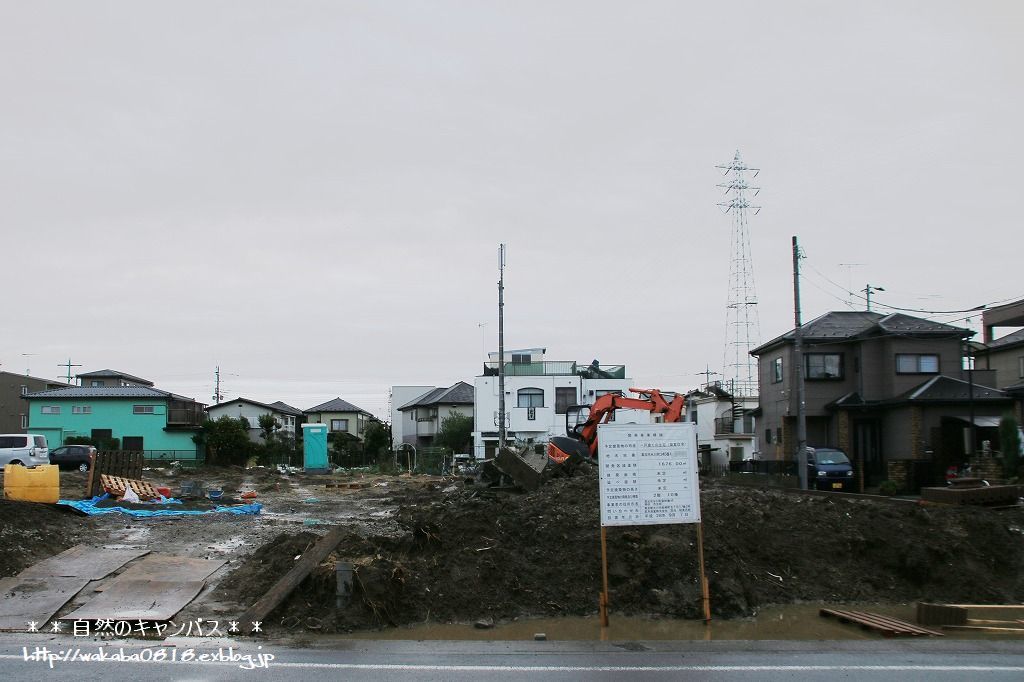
x,y
286,416
883,388
340,416
537,394
725,424
110,377
140,418
1004,355
14,410
420,419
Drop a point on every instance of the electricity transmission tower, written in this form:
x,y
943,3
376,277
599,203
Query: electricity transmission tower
x,y
742,328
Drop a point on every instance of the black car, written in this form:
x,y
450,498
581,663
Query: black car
x,y
829,469
73,456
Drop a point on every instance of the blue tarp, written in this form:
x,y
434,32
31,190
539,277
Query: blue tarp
x,y
89,507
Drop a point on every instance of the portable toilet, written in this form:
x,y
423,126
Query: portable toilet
x,y
314,447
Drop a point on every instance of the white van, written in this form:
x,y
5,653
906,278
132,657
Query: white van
x,y
27,449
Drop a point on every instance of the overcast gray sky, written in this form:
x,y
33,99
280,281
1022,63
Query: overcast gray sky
x,y
311,194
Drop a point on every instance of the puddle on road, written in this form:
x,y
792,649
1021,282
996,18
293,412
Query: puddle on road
x,y
792,622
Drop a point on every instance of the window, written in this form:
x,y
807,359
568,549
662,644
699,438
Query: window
x,y
24,421
823,365
776,370
50,409
564,397
133,443
339,425
24,390
143,409
916,363
1020,367
95,384
81,409
531,397
521,358
768,436
13,441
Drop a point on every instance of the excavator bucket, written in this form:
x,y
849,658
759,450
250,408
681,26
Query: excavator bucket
x,y
562,449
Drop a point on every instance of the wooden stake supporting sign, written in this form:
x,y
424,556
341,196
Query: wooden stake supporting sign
x,y
649,476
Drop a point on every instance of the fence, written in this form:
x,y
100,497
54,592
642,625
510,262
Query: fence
x,y
770,472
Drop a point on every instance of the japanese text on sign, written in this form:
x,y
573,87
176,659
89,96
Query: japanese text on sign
x,y
648,474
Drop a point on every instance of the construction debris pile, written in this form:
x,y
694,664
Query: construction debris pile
x,y
466,553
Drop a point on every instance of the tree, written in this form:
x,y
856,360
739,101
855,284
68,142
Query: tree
x,y
376,439
455,433
1009,443
226,440
268,426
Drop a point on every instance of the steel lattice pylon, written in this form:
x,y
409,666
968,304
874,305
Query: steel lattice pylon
x,y
742,328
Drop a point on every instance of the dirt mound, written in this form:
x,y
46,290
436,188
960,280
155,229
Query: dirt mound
x,y
467,554
31,532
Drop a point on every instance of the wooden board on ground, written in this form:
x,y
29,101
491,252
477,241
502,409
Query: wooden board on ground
x,y
157,600
940,614
25,600
116,485
259,611
890,627
167,568
82,561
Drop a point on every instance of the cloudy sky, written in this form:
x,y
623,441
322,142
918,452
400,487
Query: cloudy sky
x,y
311,194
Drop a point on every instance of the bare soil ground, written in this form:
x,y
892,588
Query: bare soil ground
x,y
442,550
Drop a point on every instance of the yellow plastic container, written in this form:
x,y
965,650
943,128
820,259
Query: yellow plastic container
x,y
32,484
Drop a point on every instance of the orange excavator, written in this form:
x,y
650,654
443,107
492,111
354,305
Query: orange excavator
x,y
581,421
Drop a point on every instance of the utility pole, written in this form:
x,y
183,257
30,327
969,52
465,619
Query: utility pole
x,y
217,397
68,365
707,374
798,359
868,290
501,346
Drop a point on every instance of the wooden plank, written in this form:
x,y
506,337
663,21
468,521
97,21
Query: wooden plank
x,y
167,568
82,561
139,599
988,606
886,625
940,614
34,599
259,611
982,628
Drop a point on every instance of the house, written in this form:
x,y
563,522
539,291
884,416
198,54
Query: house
x,y
14,410
110,377
886,389
286,416
340,416
537,393
420,419
1004,355
400,395
725,424
140,418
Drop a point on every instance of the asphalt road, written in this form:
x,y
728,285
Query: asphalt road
x,y
933,660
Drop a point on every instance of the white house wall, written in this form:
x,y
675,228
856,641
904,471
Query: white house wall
x,y
400,424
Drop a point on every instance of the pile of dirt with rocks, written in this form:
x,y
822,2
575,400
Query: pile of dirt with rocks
x,y
471,554
31,532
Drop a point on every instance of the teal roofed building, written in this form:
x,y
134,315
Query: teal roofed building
x,y
139,418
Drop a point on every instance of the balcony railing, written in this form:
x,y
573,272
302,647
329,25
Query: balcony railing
x,y
557,368
185,415
725,426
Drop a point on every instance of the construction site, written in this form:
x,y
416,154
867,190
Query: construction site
x,y
352,553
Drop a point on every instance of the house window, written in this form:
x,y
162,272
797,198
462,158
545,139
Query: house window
x,y
50,409
823,365
564,397
768,436
776,370
96,384
917,363
24,421
143,409
1020,367
531,397
24,390
81,409
521,358
133,443
339,425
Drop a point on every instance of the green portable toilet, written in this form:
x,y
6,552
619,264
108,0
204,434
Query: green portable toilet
x,y
314,447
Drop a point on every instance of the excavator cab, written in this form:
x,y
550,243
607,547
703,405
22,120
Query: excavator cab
x,y
575,417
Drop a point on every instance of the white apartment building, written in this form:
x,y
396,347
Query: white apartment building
x,y
537,393
726,430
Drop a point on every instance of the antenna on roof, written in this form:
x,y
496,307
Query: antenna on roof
x,y
868,290
68,365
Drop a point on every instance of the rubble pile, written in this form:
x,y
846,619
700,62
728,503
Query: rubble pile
x,y
467,553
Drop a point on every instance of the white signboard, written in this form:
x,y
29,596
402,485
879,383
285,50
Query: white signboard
x,y
648,474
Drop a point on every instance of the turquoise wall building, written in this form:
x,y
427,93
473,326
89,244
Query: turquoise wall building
x,y
141,418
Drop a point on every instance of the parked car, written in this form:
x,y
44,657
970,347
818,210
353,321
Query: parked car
x,y
27,449
829,469
73,456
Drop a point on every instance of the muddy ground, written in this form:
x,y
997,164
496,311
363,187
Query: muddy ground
x,y
426,549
